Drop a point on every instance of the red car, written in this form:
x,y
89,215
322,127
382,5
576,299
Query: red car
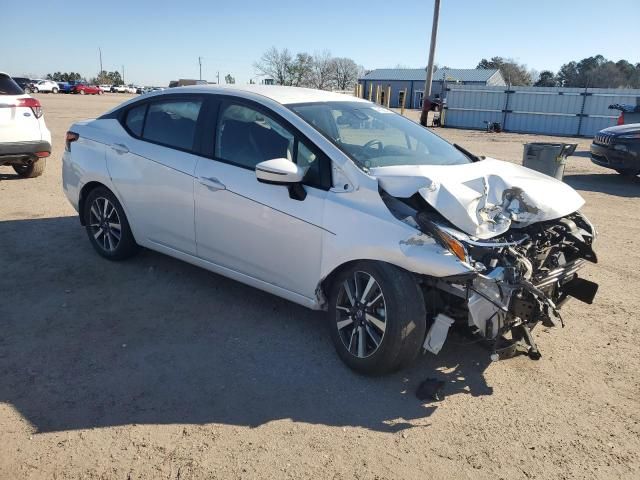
x,y
84,89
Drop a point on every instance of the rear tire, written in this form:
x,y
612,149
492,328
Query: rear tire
x,y
54,90
388,311
32,169
107,225
81,92
35,90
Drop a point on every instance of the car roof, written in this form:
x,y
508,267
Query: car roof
x,y
277,93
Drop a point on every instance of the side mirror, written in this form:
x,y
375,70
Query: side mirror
x,y
281,171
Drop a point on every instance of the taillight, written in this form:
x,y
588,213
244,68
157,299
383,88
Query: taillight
x,y
621,119
32,103
69,139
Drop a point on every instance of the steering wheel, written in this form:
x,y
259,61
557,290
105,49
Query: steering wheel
x,y
371,143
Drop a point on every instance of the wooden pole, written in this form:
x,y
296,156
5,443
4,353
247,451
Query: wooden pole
x,y
388,96
355,89
377,93
370,90
432,51
404,99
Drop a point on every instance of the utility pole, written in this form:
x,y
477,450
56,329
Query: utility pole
x,y
218,77
426,104
100,74
123,82
200,65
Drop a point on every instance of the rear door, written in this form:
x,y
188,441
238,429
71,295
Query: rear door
x,y
153,165
17,124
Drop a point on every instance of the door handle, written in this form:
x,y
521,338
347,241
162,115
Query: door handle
x,y
120,148
212,183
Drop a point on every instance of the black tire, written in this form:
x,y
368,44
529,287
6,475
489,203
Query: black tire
x,y
628,172
32,169
35,90
126,244
404,319
54,90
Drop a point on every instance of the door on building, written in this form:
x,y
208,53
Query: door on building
x,y
417,99
401,99
382,97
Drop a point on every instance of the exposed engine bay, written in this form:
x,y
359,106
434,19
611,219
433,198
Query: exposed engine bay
x,y
517,279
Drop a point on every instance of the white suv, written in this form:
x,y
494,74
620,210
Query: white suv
x,y
334,203
25,141
45,86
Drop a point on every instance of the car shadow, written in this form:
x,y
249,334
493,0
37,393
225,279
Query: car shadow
x,y
609,183
85,342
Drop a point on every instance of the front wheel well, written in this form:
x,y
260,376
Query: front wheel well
x,y
322,292
84,193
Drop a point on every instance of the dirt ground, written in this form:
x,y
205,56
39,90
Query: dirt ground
x,y
153,368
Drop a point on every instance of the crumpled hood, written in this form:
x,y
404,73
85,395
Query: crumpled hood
x,y
483,198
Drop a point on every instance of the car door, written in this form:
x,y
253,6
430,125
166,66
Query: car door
x,y
152,167
254,228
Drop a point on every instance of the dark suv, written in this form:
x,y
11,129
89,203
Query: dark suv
x,y
618,148
24,83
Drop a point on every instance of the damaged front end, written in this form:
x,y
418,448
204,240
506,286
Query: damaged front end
x,y
522,278
523,258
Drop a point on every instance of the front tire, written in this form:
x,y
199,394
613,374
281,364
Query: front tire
x,y
107,225
377,317
54,90
32,169
82,92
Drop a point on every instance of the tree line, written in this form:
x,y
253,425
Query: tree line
x,y
320,70
103,78
596,72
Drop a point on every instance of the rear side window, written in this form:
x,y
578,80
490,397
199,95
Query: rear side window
x,y
135,120
172,123
8,86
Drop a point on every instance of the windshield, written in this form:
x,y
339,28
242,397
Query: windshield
x,y
376,137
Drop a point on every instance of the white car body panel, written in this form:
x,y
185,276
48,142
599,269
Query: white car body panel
x,y
152,174
482,198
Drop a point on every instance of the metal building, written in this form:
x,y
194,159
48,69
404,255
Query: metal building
x,y
412,79
545,110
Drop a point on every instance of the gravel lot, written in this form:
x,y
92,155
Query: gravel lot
x,y
153,368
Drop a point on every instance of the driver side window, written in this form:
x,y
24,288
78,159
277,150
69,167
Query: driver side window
x,y
246,137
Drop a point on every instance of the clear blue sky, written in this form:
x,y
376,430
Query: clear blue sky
x,y
158,41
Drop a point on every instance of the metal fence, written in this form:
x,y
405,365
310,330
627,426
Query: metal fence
x,y
545,110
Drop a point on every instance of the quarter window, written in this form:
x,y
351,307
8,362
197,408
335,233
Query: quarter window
x,y
172,123
135,119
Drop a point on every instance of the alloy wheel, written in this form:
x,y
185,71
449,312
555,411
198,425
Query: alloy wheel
x,y
361,314
104,223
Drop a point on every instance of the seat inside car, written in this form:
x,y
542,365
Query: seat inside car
x,y
247,143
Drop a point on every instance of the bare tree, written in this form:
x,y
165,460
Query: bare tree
x,y
321,72
301,70
277,65
344,73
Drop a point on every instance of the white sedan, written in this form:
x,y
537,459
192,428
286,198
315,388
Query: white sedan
x,y
337,204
